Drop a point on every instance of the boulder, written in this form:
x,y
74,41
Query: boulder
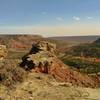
x,y
3,52
39,57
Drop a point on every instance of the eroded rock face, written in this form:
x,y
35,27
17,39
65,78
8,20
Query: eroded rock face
x,y
3,52
42,58
43,46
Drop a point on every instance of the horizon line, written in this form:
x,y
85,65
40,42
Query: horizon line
x,y
48,36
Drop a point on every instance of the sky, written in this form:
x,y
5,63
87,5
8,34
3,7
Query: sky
x,y
50,17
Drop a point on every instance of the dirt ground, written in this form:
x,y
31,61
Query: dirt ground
x,y
43,87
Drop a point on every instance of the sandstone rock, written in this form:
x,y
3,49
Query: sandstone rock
x,y
46,46
39,57
42,58
3,52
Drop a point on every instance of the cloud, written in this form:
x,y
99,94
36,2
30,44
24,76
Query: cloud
x,y
59,18
88,17
44,13
76,18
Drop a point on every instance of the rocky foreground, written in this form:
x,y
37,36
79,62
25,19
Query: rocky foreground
x,y
39,86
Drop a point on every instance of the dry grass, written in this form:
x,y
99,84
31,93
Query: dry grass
x,y
11,73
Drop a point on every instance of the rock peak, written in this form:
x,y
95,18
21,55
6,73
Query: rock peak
x,y
41,54
43,46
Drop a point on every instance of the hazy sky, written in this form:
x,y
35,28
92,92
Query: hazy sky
x,y
50,17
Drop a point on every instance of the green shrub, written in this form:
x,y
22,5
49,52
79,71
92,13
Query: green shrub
x,y
86,50
84,66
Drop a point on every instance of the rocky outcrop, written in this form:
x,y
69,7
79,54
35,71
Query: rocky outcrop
x,y
42,59
40,56
3,52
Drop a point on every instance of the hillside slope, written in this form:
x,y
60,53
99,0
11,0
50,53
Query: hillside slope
x,y
42,58
77,39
